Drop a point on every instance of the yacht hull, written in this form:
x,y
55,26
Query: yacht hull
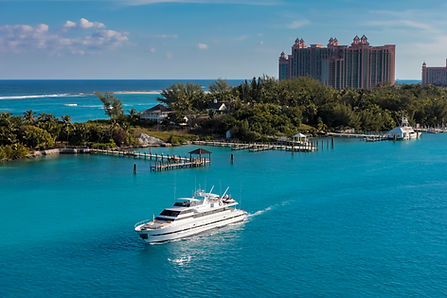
x,y
189,227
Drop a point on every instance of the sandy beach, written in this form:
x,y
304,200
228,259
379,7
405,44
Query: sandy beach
x,y
137,92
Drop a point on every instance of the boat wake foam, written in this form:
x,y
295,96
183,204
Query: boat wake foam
x,y
180,261
259,212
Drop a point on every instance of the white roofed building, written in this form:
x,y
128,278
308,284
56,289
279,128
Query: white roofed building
x,y
157,113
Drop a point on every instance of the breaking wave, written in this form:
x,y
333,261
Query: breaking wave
x,y
43,96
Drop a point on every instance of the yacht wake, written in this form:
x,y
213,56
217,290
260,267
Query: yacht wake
x,y
259,212
180,261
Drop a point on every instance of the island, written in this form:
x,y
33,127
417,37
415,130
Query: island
x,y
258,110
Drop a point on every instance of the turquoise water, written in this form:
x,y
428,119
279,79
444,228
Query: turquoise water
x,y
76,98
364,219
81,107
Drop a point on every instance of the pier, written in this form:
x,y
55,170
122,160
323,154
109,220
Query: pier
x,y
163,162
159,162
355,135
138,155
193,163
367,137
431,129
257,147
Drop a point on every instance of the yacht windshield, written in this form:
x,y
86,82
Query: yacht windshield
x,y
170,213
182,204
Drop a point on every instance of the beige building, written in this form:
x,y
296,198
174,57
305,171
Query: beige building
x,y
434,75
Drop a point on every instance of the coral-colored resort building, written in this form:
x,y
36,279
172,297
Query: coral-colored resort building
x,y
356,66
434,75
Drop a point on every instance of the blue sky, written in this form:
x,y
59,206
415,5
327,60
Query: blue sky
x,y
150,39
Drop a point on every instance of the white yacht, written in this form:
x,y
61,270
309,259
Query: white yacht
x,y
403,132
190,216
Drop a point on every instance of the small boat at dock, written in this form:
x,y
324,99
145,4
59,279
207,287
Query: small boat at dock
x,y
403,132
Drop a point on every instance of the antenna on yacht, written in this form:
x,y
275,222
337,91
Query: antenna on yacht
x,y
225,191
211,190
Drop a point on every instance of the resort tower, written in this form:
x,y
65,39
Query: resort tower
x,y
356,66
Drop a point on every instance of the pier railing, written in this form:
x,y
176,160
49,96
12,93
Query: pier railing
x,y
163,162
303,146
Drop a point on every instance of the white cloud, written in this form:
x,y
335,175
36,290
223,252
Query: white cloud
x,y
169,55
261,42
152,50
83,24
298,24
69,24
86,24
22,38
202,46
242,37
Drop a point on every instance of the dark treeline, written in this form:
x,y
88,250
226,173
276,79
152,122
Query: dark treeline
x,y
265,107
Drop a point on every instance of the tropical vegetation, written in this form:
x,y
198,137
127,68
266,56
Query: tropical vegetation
x,y
260,109
265,108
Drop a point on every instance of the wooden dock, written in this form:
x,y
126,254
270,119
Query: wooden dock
x,y
194,163
354,135
257,147
139,155
159,162
374,137
431,129
377,138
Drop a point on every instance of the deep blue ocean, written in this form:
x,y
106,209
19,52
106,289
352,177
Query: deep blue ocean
x,y
76,98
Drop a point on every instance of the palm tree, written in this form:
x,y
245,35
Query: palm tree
x,y
134,115
68,126
29,117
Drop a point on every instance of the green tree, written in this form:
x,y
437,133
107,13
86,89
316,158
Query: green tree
x,y
113,107
184,98
67,126
220,86
36,137
29,117
134,115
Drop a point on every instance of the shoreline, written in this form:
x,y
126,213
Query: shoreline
x,y
35,96
137,92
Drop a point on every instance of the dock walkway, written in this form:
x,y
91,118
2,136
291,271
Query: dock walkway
x,y
144,155
256,147
162,162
